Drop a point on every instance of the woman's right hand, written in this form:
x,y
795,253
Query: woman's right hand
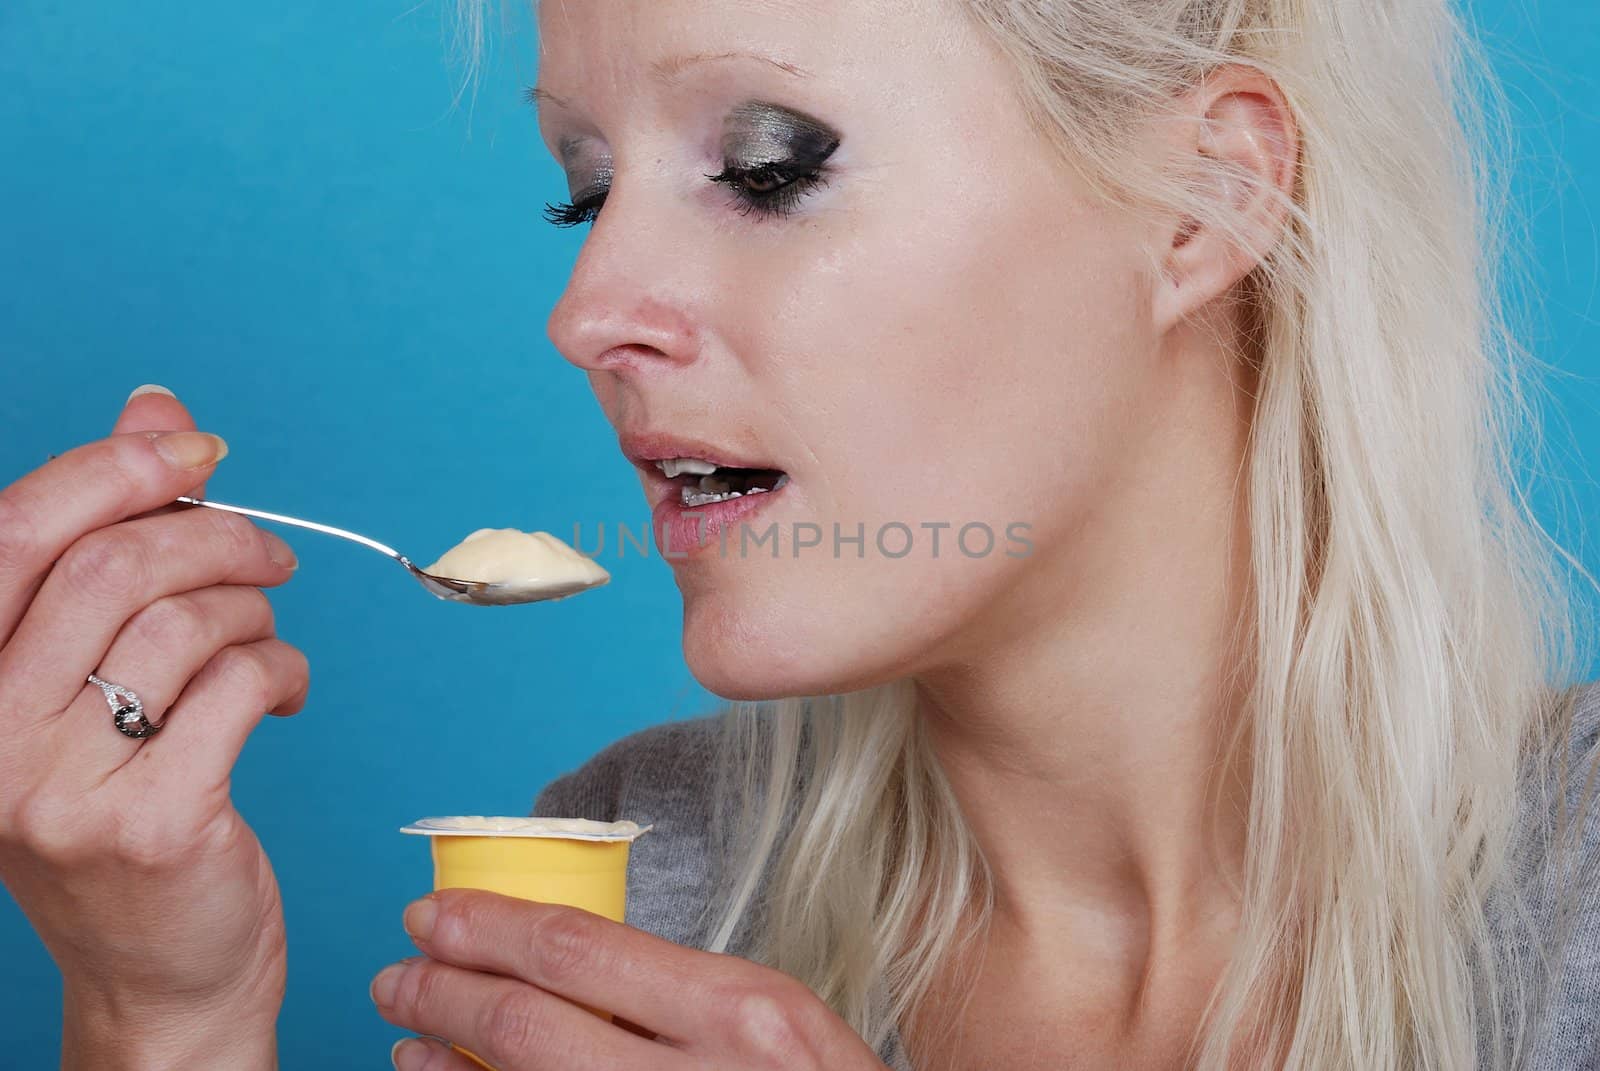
x,y
151,893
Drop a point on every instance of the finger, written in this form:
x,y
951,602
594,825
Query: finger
x,y
634,1028
213,717
106,577
510,1024
85,489
156,653
157,410
430,1054
663,987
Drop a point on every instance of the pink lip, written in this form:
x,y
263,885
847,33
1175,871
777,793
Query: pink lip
x,y
654,446
690,531
644,449
683,531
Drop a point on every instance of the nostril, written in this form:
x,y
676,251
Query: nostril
x,y
603,337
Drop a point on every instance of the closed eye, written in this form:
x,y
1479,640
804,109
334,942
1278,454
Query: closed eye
x,y
771,189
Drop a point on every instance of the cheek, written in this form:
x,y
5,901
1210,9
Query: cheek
x,y
941,371
964,365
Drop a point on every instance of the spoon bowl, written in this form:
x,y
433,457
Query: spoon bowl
x,y
452,589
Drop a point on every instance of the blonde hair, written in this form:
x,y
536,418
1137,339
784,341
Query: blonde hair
x,y
1412,636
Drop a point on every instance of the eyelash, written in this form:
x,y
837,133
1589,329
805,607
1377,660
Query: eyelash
x,y
777,202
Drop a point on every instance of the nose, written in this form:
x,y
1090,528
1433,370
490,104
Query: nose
x,y
628,301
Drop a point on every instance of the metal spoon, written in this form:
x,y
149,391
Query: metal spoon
x,y
478,592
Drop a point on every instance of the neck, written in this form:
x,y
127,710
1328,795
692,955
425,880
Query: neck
x,y
1085,731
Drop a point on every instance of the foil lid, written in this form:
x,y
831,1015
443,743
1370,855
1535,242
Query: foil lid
x,y
475,825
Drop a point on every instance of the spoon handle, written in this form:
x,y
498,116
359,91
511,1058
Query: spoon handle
x,y
297,522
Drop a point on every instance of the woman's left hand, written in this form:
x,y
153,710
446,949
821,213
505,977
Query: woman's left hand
x,y
504,978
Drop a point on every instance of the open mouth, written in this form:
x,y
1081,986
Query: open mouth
x,y
700,483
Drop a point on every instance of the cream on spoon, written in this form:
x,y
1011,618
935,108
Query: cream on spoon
x,y
518,563
527,566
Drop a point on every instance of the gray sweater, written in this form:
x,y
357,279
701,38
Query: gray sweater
x,y
662,776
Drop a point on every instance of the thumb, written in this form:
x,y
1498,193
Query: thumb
x,y
153,407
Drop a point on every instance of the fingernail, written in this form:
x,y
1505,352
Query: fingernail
x,y
411,1054
387,984
280,552
190,449
149,388
419,917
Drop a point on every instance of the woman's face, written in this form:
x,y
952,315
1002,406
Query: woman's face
x,y
929,325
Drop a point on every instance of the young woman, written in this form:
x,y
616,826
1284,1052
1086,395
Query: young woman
x,y
1253,734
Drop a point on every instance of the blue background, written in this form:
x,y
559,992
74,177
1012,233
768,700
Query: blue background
x,y
276,211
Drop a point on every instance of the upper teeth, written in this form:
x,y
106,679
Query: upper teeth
x,y
673,466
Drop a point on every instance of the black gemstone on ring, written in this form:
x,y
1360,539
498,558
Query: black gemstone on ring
x,y
131,722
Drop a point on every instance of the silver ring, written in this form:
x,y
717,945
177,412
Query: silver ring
x,y
128,716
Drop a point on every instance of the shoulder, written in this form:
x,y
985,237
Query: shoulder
x,y
1555,857
653,770
1560,827
1583,740
662,777
1556,788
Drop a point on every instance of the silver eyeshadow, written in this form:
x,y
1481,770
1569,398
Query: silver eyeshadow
x,y
756,133
586,183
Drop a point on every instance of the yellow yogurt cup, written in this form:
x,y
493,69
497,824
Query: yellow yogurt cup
x,y
572,861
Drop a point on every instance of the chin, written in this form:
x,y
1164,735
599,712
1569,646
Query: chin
x,y
743,652
743,647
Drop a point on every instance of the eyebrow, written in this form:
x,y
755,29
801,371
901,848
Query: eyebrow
x,y
670,68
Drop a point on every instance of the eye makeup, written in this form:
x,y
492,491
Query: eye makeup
x,y
772,157
757,134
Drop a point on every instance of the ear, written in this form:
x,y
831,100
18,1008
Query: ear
x,y
1238,118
